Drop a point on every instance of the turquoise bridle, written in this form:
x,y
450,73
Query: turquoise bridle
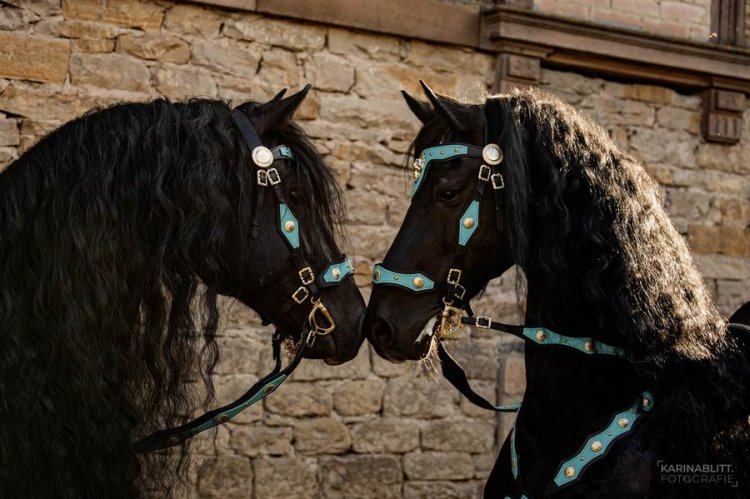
x,y
307,283
598,444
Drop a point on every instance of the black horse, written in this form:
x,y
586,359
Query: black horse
x,y
621,329
118,232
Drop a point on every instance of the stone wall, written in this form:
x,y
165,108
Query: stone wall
x,y
368,428
677,18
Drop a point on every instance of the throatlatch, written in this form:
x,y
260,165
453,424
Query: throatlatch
x,y
452,319
307,283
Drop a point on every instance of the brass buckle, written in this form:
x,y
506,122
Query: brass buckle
x,y
262,178
485,172
306,275
497,184
319,308
300,295
483,322
273,176
450,322
454,276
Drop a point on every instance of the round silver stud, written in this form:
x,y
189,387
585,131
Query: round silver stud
x,y
268,389
262,156
289,226
646,403
570,471
623,422
222,418
541,335
468,223
596,446
418,282
588,346
376,275
492,154
336,273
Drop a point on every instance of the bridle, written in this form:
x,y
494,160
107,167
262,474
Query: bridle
x,y
452,319
300,277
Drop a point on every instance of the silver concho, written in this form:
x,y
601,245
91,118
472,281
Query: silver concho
x,y
262,156
492,154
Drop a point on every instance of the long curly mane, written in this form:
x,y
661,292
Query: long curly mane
x,y
103,320
589,228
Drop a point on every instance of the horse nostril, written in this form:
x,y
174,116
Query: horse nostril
x,y
382,332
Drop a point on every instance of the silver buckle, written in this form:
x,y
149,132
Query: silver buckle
x,y
306,275
300,295
495,184
273,176
484,322
262,178
485,172
454,276
459,291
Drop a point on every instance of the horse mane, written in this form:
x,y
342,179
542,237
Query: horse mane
x,y
103,320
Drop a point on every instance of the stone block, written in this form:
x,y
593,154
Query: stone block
x,y
459,435
77,29
88,46
155,46
44,104
358,368
9,134
12,19
236,59
723,267
479,358
513,378
258,440
438,466
185,19
180,82
386,435
291,35
300,399
441,490
81,9
329,72
278,67
488,390
704,239
420,397
321,436
238,355
377,47
226,477
133,14
361,477
26,57
358,397
110,71
285,477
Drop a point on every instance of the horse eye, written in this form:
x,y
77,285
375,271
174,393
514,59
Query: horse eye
x,y
447,195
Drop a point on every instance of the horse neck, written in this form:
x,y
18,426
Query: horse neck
x,y
568,394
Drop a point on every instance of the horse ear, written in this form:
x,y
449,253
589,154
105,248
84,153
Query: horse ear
x,y
277,112
278,96
421,110
440,104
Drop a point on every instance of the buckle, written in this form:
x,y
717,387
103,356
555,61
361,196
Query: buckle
x,y
262,178
483,321
300,295
497,181
454,276
485,172
459,291
273,176
306,275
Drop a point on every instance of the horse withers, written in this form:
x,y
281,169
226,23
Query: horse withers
x,y
118,232
635,384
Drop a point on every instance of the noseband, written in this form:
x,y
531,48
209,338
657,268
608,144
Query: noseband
x,y
455,304
297,276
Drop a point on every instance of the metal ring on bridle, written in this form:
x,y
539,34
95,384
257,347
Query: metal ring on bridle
x,y
319,308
